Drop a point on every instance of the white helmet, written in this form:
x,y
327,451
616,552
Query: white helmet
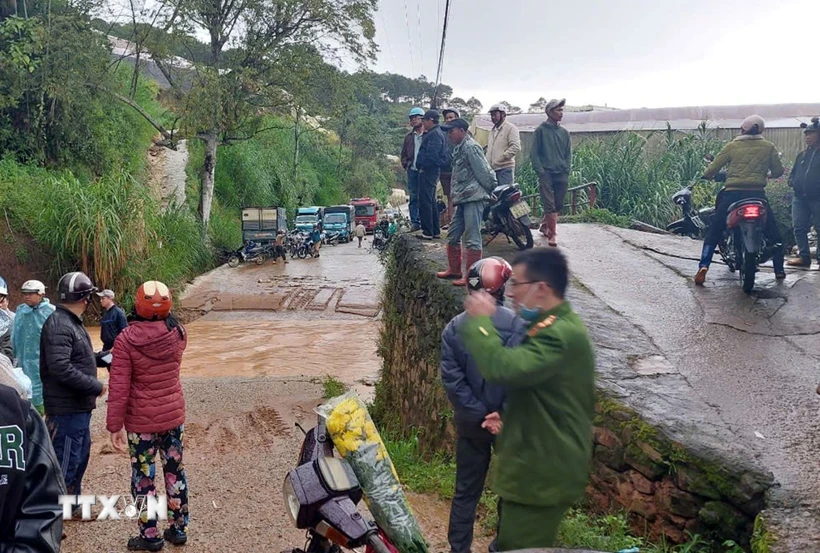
x,y
33,287
498,107
750,122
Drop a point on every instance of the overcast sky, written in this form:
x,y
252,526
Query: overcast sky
x,y
622,53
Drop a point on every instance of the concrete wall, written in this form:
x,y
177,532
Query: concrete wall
x,y
660,452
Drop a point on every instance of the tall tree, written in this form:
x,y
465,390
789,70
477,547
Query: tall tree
x,y
511,108
474,106
262,53
538,106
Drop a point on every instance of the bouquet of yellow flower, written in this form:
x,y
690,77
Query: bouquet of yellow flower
x,y
358,442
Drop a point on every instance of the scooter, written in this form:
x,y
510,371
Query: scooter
x,y
250,252
321,495
508,214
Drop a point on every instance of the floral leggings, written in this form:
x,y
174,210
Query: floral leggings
x,y
143,450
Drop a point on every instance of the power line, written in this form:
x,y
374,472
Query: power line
x,y
409,40
441,52
387,37
421,42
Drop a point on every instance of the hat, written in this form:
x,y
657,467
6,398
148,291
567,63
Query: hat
x,y
750,122
106,294
450,110
456,124
415,111
552,104
498,107
33,287
814,126
432,115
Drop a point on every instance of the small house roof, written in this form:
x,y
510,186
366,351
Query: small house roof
x,y
681,118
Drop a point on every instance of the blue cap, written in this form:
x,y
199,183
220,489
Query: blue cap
x,y
415,111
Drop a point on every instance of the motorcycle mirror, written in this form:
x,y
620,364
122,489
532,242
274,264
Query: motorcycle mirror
x,y
299,426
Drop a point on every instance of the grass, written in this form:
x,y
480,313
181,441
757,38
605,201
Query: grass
x,y
579,529
332,387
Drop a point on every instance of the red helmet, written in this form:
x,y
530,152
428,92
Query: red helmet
x,y
153,301
489,274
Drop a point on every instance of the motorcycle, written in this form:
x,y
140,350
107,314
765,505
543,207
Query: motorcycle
x,y
379,241
250,252
508,214
693,223
332,239
305,248
321,495
745,244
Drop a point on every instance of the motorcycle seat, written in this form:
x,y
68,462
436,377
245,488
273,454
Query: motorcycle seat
x,y
748,201
498,190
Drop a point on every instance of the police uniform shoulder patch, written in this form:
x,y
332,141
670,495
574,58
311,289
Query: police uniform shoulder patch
x,y
546,323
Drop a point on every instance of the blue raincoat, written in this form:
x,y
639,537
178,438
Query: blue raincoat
x,y
28,325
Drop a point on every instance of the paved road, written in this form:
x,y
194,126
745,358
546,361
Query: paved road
x,y
752,358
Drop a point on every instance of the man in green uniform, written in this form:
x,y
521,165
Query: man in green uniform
x,y
545,445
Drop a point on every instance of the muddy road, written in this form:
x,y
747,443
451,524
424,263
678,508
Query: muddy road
x,y
255,359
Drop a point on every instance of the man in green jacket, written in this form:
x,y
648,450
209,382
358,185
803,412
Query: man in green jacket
x,y
551,157
752,162
472,182
545,445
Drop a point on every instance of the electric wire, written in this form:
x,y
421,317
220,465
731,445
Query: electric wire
x,y
409,39
441,53
421,42
387,38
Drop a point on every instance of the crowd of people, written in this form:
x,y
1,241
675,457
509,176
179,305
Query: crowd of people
x,y
49,388
447,153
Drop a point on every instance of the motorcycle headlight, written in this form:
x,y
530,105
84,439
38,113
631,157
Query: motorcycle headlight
x,y
291,500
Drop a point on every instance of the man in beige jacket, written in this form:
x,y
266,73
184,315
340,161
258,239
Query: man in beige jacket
x,y
503,145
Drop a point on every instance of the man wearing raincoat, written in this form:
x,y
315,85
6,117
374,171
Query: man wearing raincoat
x,y
28,325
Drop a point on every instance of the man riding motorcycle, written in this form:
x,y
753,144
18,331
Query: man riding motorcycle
x,y
751,160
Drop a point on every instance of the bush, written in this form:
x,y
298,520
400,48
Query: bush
x,y
780,199
599,216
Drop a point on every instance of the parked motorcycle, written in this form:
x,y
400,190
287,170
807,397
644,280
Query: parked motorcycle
x,y
332,239
380,241
321,495
693,223
250,252
508,214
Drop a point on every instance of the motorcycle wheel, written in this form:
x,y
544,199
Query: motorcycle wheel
x,y
520,234
260,260
233,261
747,272
302,252
375,541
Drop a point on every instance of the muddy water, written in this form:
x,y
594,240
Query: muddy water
x,y
282,348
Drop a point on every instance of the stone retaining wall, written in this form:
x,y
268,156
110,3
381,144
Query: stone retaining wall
x,y
660,452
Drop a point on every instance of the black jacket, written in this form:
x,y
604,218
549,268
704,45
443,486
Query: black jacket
x,y
31,519
68,366
112,323
805,174
471,396
433,153
5,344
